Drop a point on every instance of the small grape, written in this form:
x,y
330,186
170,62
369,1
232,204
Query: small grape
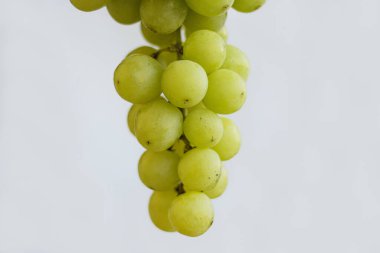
x,y
88,5
163,16
195,22
203,128
124,11
210,7
162,40
237,61
226,92
159,205
167,57
132,117
248,5
158,125
158,170
206,48
149,51
191,213
199,169
220,186
184,83
229,145
138,79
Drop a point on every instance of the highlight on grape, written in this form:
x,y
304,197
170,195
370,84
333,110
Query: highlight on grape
x,y
179,90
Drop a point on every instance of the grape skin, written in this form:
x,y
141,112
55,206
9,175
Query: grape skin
x,y
210,8
132,117
220,186
88,5
237,61
195,22
162,40
149,51
159,205
191,213
248,5
229,145
124,11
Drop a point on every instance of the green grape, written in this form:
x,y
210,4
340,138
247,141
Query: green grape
x,y
248,5
137,79
203,128
132,116
163,16
158,125
184,83
229,145
195,22
199,169
220,186
206,48
162,40
195,107
143,50
124,11
210,7
191,213
223,33
167,57
226,92
159,205
236,61
158,170
88,5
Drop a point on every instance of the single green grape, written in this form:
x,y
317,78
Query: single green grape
x,y
124,11
229,145
88,5
220,186
226,92
206,48
237,61
167,57
223,33
199,169
162,40
191,213
138,79
195,107
149,51
195,22
159,205
132,117
184,83
163,16
248,5
158,170
210,7
203,128
158,125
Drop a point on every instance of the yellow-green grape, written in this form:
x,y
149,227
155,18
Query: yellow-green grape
x,y
88,5
167,57
184,83
206,48
132,116
195,107
158,125
248,5
124,11
159,205
162,40
191,213
203,128
195,22
179,147
199,169
137,79
143,50
210,7
220,186
158,170
223,33
237,61
229,145
163,16
226,92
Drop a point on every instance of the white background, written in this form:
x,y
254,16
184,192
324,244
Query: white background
x,y
307,178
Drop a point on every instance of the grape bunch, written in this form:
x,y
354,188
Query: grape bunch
x,y
179,90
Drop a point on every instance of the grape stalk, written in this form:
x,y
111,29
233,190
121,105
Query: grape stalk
x,y
179,92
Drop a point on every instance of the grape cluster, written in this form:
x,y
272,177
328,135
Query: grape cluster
x,y
178,91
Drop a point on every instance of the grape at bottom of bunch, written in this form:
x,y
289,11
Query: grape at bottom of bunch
x,y
179,92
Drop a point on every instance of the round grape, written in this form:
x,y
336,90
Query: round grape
x,y
124,11
229,145
159,205
88,5
220,186
210,7
237,61
248,5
